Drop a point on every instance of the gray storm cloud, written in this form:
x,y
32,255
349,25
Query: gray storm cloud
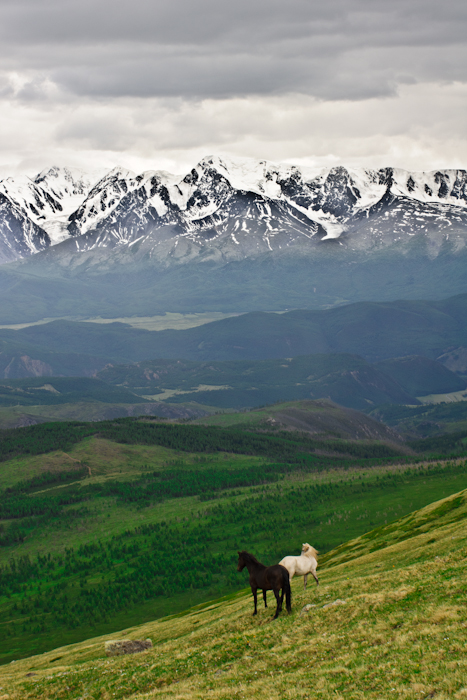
x,y
140,82
340,49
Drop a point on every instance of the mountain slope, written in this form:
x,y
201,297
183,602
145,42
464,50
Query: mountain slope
x,y
235,209
220,214
19,235
112,283
375,331
388,618
314,417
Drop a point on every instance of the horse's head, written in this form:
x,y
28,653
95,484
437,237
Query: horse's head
x,y
309,551
241,561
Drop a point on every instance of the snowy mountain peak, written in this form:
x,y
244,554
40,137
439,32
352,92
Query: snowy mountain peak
x,y
37,202
120,173
447,186
65,182
102,199
49,198
246,175
233,207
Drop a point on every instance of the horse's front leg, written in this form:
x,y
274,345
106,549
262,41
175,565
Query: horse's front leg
x,y
315,577
305,579
264,598
255,598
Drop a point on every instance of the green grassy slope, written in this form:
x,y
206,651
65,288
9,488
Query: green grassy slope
x,y
322,417
108,525
400,630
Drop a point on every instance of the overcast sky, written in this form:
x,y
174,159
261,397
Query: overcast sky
x,y
151,84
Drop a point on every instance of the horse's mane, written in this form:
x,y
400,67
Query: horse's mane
x,y
310,550
249,557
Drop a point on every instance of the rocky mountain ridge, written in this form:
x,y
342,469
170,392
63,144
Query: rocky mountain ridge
x,y
228,210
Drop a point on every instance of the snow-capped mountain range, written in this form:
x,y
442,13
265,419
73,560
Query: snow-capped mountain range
x,y
227,210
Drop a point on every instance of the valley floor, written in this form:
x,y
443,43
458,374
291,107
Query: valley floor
x,y
150,323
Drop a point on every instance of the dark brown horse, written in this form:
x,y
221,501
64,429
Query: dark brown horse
x,y
267,578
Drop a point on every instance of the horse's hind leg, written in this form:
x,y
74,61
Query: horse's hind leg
x,y
264,598
279,602
305,579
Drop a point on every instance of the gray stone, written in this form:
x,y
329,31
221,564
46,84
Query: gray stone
x,y
336,602
306,609
118,647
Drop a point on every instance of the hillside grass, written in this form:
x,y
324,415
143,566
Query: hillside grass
x,y
252,418
263,417
104,541
321,419
401,631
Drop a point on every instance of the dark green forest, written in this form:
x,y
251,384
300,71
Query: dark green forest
x,y
278,445
295,447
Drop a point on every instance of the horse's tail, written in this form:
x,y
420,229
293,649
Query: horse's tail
x,y
286,588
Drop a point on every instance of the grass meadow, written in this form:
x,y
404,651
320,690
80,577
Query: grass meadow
x,y
389,620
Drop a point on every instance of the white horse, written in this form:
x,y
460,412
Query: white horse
x,y
303,565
